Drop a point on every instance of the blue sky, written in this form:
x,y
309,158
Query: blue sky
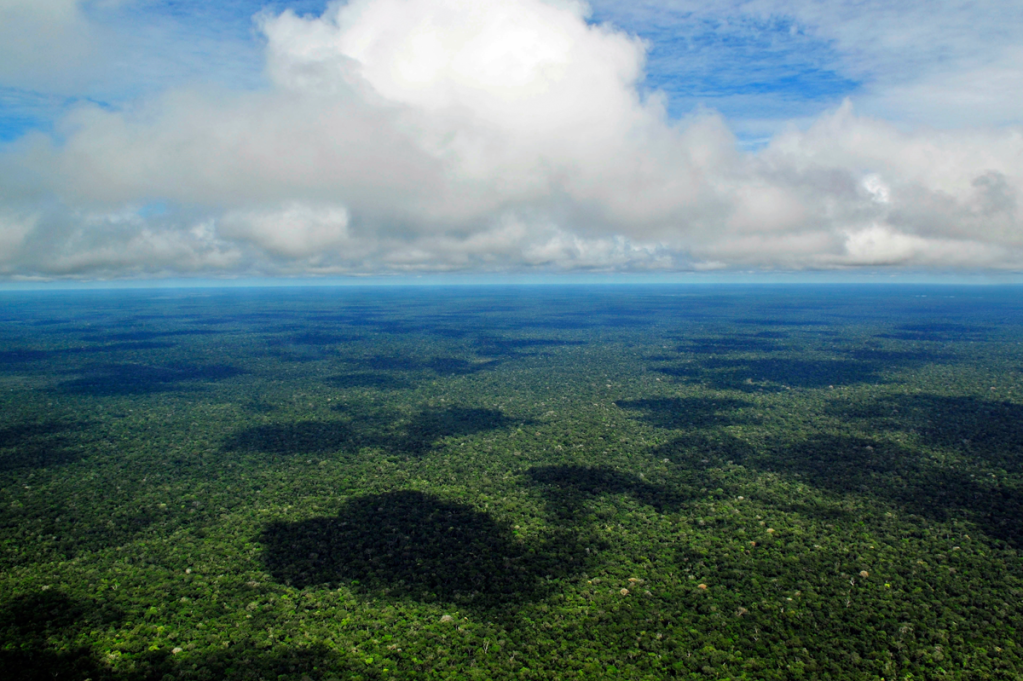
x,y
242,139
751,69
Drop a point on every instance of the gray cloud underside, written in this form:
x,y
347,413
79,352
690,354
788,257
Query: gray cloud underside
x,y
486,135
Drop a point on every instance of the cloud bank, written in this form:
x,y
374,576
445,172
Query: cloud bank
x,y
400,136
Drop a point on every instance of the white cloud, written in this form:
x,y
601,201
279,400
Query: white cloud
x,y
14,228
494,135
41,38
881,245
295,230
75,244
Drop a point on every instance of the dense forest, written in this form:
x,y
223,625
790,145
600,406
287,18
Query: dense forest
x,y
702,482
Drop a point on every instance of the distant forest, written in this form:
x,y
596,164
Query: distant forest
x,y
635,482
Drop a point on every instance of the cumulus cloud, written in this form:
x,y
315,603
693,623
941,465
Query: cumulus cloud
x,y
40,38
296,230
486,135
14,227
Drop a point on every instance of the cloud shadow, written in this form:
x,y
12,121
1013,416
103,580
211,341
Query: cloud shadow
x,y
112,380
940,332
39,633
416,436
897,475
729,345
411,545
442,366
286,439
970,426
29,625
427,428
686,412
41,444
369,379
567,488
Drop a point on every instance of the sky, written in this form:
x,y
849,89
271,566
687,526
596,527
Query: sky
x,y
177,140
